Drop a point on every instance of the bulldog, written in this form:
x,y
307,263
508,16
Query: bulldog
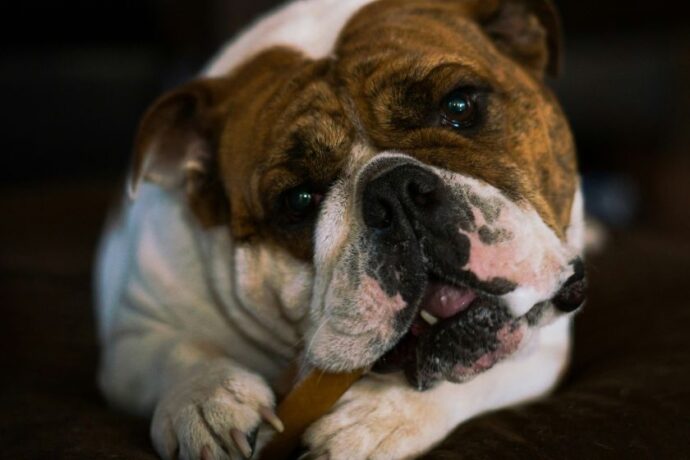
x,y
360,184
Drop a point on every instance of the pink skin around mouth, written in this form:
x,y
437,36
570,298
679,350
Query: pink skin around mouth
x,y
443,300
509,337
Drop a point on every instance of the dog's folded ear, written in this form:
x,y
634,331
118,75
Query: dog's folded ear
x,y
527,30
176,147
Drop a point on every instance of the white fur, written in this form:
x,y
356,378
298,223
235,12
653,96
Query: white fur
x,y
206,405
575,235
161,276
186,316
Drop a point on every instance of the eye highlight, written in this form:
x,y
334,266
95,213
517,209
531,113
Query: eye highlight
x,y
300,202
460,109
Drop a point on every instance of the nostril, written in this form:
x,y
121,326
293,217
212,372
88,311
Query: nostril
x,y
574,291
421,193
420,197
399,196
377,214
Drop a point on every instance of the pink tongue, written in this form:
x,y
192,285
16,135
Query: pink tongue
x,y
444,300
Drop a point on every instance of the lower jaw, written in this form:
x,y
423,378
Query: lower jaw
x,y
473,340
441,298
403,354
399,357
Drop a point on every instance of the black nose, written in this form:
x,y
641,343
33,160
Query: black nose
x,y
393,199
573,293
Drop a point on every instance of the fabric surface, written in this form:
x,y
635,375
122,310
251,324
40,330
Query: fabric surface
x,y
627,394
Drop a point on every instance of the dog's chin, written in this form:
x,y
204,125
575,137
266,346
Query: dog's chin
x,y
457,333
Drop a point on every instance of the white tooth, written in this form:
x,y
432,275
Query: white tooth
x,y
428,317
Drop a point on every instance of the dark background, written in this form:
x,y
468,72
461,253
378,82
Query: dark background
x,y
75,76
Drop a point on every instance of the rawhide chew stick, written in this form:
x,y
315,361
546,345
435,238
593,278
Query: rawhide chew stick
x,y
309,400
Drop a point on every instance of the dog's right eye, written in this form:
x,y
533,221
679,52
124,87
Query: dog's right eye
x,y
300,202
460,109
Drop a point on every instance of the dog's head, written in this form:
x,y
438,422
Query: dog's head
x,y
420,182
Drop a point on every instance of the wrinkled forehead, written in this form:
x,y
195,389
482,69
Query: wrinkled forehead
x,y
399,60
417,26
296,118
292,103
286,126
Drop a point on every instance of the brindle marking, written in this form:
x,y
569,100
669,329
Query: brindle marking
x,y
280,119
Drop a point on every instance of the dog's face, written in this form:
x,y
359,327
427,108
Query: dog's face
x,y
420,182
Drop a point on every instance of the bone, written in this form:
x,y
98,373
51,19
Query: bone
x,y
241,442
310,399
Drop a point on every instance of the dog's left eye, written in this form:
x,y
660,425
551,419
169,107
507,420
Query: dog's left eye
x,y
460,109
301,201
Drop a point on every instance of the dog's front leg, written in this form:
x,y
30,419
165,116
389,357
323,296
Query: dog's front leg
x,y
382,418
205,405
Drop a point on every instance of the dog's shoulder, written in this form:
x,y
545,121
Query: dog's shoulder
x,y
151,243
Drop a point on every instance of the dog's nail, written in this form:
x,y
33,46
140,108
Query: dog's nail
x,y
241,443
270,417
205,453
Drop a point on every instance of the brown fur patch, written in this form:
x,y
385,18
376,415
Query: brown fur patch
x,y
423,50
280,119
287,128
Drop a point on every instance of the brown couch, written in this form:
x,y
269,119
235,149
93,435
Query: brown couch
x,y
627,394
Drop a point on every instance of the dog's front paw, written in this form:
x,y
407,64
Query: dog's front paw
x,y
376,421
214,414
